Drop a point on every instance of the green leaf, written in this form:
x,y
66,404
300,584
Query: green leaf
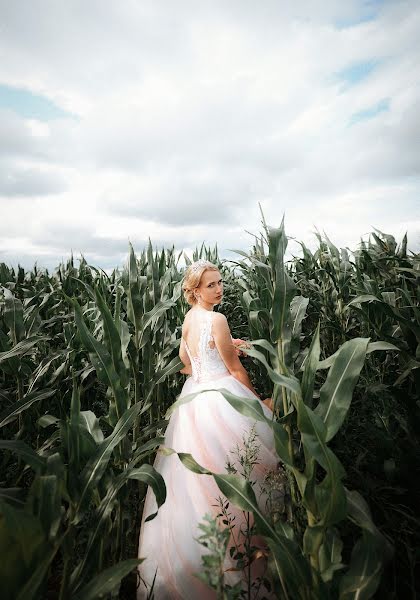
x,y
298,307
90,421
291,383
330,554
30,589
73,429
240,492
284,286
25,530
22,347
97,464
103,363
45,499
21,449
374,346
329,495
134,302
364,574
364,298
113,341
147,318
145,473
14,496
10,414
359,513
107,581
189,462
184,400
13,316
310,369
154,479
292,565
337,391
45,365
47,420
266,345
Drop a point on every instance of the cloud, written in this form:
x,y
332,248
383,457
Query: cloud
x,y
28,181
189,114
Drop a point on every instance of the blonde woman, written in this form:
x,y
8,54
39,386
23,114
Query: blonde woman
x,y
209,429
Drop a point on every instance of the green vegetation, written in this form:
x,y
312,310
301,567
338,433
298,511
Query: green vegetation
x,y
89,368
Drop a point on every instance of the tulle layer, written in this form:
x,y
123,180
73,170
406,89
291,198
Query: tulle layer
x,y
209,429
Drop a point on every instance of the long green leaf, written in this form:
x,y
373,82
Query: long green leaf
x,y
363,576
21,449
284,286
107,581
337,391
22,347
145,473
8,415
291,383
31,588
13,316
294,566
113,341
310,368
102,362
330,496
96,466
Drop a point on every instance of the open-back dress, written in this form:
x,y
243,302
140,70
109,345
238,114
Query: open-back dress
x,y
208,428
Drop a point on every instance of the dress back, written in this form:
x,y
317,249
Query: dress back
x,y
206,361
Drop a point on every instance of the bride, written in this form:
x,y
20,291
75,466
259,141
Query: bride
x,y
208,428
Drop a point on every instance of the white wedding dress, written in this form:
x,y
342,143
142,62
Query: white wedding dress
x,y
208,428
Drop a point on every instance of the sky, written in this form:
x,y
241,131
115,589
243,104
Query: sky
x,y
176,121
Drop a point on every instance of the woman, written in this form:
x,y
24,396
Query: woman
x,y
209,428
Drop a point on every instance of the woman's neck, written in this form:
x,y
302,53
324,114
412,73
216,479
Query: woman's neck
x,y
207,307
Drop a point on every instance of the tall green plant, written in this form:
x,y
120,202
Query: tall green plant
x,y
317,473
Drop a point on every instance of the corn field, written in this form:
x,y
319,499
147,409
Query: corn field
x,y
89,371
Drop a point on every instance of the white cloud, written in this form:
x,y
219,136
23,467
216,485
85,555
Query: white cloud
x,y
192,113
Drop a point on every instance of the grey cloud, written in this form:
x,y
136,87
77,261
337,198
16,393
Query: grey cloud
x,y
57,244
51,260
83,239
391,150
200,126
18,181
101,37
16,137
190,116
18,141
186,201
79,239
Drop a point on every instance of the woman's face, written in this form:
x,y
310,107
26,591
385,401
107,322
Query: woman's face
x,y
211,287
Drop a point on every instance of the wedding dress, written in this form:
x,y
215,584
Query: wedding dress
x,y
208,428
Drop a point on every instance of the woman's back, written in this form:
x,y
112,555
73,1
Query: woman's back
x,y
200,345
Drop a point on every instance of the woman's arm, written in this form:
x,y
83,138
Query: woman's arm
x,y
224,345
183,355
187,370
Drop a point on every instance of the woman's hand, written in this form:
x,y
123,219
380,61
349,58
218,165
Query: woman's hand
x,y
237,343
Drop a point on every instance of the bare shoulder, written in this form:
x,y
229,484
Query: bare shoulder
x,y
219,317
185,323
219,321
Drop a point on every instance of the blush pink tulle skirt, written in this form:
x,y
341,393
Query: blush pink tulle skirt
x,y
209,429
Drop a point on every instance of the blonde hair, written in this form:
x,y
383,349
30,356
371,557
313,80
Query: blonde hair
x,y
193,276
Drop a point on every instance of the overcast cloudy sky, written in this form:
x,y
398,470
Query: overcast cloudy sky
x,y
174,118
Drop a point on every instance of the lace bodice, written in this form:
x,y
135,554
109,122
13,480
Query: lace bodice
x,y
208,364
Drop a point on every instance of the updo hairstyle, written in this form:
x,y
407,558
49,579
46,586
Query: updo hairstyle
x,y
192,278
